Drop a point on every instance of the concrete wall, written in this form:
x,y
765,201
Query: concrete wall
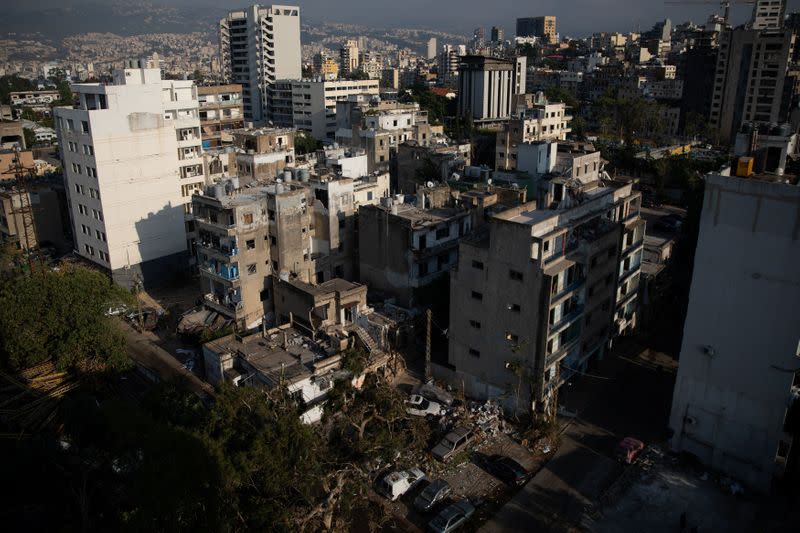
x,y
740,338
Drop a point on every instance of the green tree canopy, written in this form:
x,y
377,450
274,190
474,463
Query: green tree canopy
x,y
60,315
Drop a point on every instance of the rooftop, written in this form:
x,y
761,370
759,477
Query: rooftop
x,y
424,217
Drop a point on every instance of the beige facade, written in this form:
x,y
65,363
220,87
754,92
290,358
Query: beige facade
x,y
221,112
535,119
262,153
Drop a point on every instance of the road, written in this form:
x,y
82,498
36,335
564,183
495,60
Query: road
x,y
629,393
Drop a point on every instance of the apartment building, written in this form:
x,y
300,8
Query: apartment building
x,y
448,64
313,103
487,86
259,46
34,99
768,14
221,111
550,273
750,79
735,404
379,127
533,119
349,57
544,28
403,248
132,158
444,158
261,154
431,49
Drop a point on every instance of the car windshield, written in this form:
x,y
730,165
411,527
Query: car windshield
x,y
423,404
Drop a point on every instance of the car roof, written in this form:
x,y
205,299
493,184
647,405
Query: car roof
x,y
460,431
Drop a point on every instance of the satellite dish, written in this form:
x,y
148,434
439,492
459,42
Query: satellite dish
x,y
429,185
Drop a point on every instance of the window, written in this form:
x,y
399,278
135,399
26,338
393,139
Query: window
x,y
97,214
251,244
512,338
515,275
248,218
103,255
442,233
85,229
73,147
475,324
88,149
252,269
474,353
84,126
76,168
91,172
477,265
89,249
94,193
70,125
546,246
79,188
514,308
82,209
477,296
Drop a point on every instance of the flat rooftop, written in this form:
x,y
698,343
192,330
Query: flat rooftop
x,y
425,217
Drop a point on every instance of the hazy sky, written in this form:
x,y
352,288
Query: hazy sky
x,y
575,17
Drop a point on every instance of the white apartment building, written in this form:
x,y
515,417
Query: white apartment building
x,y
431,50
131,154
349,58
535,119
258,46
313,103
738,386
487,86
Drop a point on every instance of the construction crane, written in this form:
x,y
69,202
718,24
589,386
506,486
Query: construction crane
x,y
725,5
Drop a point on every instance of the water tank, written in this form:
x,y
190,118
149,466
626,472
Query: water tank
x,y
394,209
279,188
399,198
305,175
218,191
284,275
386,201
287,176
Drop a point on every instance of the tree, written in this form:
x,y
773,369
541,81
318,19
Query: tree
x,y
30,137
197,76
306,144
13,83
60,315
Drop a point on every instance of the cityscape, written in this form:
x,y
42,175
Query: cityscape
x,y
400,267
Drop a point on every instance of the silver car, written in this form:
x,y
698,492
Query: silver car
x,y
451,443
451,517
434,493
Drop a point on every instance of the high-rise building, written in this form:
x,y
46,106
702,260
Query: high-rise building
x,y
768,14
448,64
132,159
735,404
542,27
479,37
431,51
221,112
561,274
751,75
349,57
259,45
487,86
498,35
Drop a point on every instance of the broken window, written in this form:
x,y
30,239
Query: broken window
x,y
252,269
251,244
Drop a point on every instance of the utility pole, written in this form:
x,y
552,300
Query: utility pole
x,y
429,317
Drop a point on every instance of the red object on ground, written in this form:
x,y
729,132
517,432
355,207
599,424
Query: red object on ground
x,y
629,449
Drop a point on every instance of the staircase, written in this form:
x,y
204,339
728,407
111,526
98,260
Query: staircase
x,y
367,341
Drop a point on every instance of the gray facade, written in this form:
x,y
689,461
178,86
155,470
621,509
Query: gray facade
x,y
737,380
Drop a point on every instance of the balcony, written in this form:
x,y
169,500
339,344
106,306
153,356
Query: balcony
x,y
561,353
567,289
219,250
562,253
567,319
221,271
223,304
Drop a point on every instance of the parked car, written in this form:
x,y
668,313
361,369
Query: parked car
x,y
395,484
452,443
505,469
116,310
629,449
434,493
452,517
419,406
434,394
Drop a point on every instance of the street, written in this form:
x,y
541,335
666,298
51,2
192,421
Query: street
x,y
626,394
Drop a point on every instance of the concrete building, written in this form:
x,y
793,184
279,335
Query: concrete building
x,y
132,159
431,49
534,119
542,27
736,394
313,103
750,77
34,99
221,111
262,154
349,57
259,46
443,158
487,86
768,14
535,295
403,248
47,204
498,35
379,127
448,64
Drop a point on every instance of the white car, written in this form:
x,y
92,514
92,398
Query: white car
x,y
419,406
396,484
116,310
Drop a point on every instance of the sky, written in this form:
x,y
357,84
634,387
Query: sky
x,y
575,17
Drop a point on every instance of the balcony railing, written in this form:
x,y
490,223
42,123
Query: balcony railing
x,y
221,271
223,303
567,289
567,319
227,251
561,353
